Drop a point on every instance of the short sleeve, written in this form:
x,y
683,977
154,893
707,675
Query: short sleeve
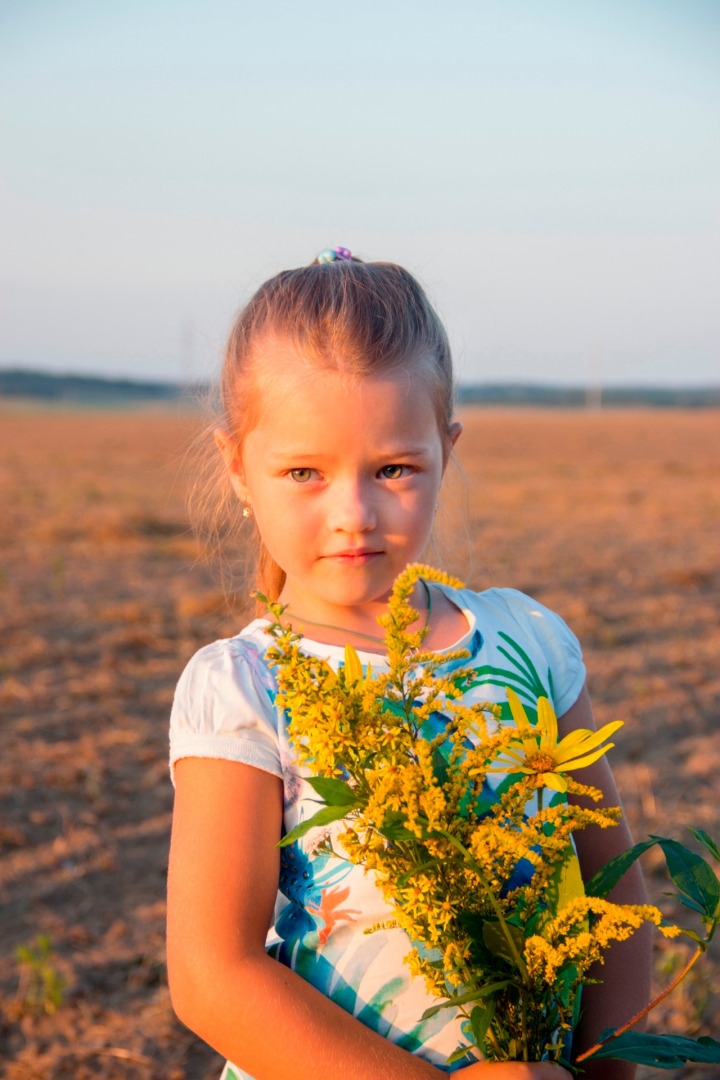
x,y
223,709
559,645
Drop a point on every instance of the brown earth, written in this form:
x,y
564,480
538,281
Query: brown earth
x,y
611,518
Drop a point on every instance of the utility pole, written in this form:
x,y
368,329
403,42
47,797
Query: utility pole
x,y
187,354
593,384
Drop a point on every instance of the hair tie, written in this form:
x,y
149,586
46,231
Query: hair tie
x,y
331,254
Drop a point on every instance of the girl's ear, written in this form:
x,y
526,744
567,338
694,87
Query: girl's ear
x,y
453,435
226,445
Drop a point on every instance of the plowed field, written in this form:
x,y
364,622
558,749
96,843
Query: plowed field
x,y
612,518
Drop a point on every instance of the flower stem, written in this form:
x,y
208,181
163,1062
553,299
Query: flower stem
x,y
526,1056
492,1039
493,901
645,1011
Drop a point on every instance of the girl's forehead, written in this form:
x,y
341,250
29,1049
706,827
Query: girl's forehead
x,y
282,370
319,411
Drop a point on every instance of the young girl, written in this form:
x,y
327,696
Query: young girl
x,y
338,398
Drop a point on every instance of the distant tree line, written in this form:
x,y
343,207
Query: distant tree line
x,y
89,389
82,388
578,396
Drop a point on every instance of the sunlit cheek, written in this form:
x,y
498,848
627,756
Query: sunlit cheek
x,y
414,514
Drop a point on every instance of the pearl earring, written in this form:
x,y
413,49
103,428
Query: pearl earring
x,y
247,510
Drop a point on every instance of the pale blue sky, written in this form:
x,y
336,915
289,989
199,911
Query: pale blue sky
x,y
549,168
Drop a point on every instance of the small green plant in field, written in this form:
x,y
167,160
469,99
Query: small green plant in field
x,y
41,984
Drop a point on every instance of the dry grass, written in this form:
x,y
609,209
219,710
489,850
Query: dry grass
x,y
611,518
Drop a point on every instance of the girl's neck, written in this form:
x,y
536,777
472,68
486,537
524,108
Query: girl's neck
x,y
446,624
357,625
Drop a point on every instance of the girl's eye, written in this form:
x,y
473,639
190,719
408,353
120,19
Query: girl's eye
x,y
393,472
301,476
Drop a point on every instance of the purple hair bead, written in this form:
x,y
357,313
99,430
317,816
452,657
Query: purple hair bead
x,y
331,254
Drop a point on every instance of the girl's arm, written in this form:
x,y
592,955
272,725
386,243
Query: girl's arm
x,y
222,886
625,974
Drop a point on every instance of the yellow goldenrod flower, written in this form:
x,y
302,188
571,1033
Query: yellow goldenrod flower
x,y
538,753
567,940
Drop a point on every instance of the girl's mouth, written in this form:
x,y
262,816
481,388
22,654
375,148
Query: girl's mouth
x,y
354,556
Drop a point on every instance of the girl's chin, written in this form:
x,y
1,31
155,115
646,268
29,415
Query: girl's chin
x,y
340,581
363,594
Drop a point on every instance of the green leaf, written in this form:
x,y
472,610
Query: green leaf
x,y
497,942
404,878
323,817
393,828
607,877
691,874
333,791
463,999
472,923
689,933
686,901
565,883
458,1055
566,986
440,768
662,1051
480,1020
435,1009
492,988
707,842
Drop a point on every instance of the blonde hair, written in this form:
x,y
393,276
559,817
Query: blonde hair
x,y
357,318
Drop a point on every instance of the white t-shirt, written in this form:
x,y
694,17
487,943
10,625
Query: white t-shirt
x,y
224,708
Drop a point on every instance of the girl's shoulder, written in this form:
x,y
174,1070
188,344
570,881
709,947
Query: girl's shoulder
x,y
506,603
522,630
224,702
227,660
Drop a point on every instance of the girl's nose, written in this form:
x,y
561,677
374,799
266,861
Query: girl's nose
x,y
351,509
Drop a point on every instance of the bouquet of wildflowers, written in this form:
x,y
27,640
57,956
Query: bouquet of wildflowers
x,y
509,950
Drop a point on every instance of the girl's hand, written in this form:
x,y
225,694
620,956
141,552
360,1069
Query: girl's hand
x,y
515,1070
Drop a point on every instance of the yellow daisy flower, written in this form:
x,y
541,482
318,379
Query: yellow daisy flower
x,y
538,753
354,670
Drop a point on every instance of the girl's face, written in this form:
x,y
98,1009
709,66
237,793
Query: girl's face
x,y
343,476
